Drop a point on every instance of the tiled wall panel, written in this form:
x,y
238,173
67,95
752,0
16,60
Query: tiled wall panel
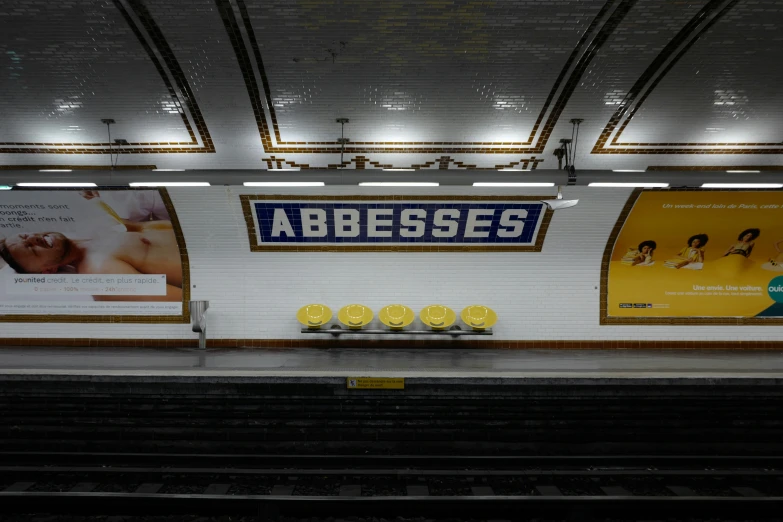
x,y
552,295
235,83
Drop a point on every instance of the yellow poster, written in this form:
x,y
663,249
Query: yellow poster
x,y
698,254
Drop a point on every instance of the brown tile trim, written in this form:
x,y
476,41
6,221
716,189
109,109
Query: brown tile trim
x,y
389,344
189,102
76,167
183,252
189,99
604,283
606,319
586,48
661,66
151,319
244,63
256,247
717,168
273,162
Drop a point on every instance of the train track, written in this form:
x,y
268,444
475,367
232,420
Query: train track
x,y
439,487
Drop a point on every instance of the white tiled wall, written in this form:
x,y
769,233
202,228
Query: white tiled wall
x,y
253,295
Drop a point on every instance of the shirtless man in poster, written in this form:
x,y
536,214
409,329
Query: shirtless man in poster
x,y
148,247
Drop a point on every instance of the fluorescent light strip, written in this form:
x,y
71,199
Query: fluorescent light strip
x,y
5,187
399,170
504,184
629,170
170,184
743,171
640,184
55,170
743,185
283,183
515,170
168,170
397,184
56,184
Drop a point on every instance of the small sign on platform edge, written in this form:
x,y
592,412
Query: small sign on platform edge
x,y
375,383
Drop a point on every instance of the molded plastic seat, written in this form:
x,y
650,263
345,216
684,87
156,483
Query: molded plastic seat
x,y
314,315
396,316
355,315
438,317
479,317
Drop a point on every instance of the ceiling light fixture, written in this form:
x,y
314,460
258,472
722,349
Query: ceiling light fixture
x,y
629,170
55,170
399,170
743,185
168,170
397,184
638,184
68,184
170,184
515,170
5,187
743,171
283,183
559,203
504,184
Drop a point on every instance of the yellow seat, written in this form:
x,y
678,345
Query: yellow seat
x,y
314,315
396,316
355,315
437,316
479,317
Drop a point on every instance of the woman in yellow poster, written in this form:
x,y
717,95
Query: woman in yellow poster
x,y
775,264
745,243
734,262
692,256
641,256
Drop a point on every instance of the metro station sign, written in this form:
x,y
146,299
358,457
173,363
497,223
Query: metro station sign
x,y
395,223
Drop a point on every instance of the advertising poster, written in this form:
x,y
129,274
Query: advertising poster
x,y
710,255
91,255
410,223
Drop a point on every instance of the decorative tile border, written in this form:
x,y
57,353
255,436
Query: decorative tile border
x,y
182,96
242,36
603,307
361,163
255,247
148,319
711,13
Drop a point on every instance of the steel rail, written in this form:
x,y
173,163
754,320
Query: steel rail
x,y
484,507
106,470
396,461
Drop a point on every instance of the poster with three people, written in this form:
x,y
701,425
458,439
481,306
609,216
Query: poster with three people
x,y
698,254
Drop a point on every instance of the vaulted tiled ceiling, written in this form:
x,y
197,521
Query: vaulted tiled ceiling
x,y
433,84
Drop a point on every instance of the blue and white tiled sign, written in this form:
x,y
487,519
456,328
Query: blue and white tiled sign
x,y
396,223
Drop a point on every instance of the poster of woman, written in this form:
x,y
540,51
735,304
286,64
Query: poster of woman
x,y
90,252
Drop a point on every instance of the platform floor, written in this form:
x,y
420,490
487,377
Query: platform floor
x,y
420,363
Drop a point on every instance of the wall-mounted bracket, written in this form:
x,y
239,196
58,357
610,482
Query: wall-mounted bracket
x,y
337,331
